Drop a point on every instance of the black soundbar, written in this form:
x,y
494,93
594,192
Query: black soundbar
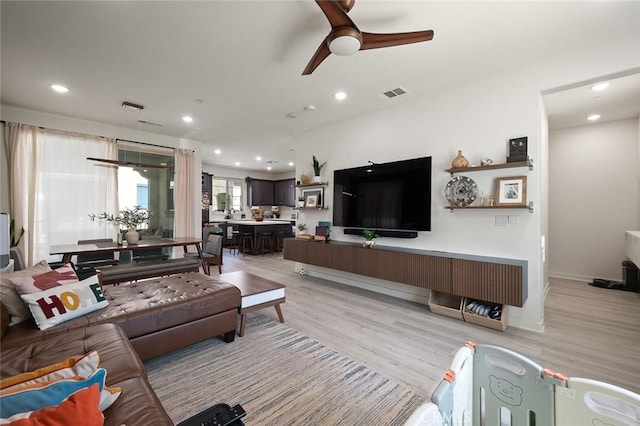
x,y
393,233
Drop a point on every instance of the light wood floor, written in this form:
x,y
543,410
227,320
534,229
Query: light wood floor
x,y
589,332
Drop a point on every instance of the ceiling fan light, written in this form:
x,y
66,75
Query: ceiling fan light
x,y
344,46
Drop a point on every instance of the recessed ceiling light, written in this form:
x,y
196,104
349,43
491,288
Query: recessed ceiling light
x,y
187,119
269,168
59,88
292,115
340,96
593,117
217,152
600,86
237,163
291,163
310,108
258,158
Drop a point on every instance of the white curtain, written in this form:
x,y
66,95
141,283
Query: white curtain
x,y
185,202
61,187
21,147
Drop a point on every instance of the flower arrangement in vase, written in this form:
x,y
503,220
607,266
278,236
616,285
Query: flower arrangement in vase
x,y
131,219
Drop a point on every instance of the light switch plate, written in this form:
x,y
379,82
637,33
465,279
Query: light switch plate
x,y
501,220
514,220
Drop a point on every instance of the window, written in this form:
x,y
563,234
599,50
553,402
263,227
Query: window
x,y
148,187
227,194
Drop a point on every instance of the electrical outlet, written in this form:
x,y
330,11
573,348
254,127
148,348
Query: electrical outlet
x,y
302,215
501,220
514,220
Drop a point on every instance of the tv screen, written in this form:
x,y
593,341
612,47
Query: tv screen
x,y
394,196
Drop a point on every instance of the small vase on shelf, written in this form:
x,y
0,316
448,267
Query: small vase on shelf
x,y
317,179
460,162
132,236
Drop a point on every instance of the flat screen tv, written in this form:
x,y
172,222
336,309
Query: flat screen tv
x,y
388,196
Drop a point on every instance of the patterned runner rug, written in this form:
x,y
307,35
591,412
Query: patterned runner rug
x,y
280,377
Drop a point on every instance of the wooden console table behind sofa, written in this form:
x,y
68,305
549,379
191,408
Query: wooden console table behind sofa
x,y
491,279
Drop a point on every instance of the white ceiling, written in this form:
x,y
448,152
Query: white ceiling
x,y
244,60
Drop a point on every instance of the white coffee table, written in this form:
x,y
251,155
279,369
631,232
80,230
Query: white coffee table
x,y
257,293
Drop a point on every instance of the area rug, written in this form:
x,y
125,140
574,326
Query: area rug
x,y
280,377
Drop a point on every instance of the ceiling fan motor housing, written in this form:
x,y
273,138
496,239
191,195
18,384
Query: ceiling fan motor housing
x,y
345,41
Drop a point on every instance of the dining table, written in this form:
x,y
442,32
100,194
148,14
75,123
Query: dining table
x,y
69,250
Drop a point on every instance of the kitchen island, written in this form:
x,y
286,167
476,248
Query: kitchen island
x,y
255,228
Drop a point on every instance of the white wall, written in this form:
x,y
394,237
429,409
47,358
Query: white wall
x,y
477,118
592,198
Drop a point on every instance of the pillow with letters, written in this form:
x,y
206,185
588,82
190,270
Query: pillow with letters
x,y
62,303
18,311
37,283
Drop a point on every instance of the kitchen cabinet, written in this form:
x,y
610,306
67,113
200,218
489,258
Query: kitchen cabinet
x,y
285,192
262,192
206,195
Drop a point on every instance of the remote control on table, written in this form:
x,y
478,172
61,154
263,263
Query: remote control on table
x,y
218,415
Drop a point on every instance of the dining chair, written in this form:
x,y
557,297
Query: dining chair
x,y
211,254
96,260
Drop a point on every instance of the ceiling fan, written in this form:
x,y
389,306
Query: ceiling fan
x,y
128,163
346,39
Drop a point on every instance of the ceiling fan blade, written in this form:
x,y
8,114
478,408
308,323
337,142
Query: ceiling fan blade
x,y
375,41
336,15
127,163
317,58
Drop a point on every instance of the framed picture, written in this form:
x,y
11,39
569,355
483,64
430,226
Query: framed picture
x,y
311,201
317,193
511,191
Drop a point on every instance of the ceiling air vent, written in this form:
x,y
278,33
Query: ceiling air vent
x,y
389,94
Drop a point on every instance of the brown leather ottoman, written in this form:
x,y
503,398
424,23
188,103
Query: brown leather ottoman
x,y
158,315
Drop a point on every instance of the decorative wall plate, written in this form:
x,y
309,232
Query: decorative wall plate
x,y
461,191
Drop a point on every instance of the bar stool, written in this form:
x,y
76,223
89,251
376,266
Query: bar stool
x,y
246,239
234,244
263,239
278,239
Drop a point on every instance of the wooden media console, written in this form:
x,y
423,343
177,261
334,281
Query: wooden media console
x,y
492,279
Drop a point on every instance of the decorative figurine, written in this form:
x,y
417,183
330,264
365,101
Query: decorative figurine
x,y
492,200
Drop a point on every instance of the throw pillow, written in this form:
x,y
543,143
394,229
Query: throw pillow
x,y
36,283
81,407
62,303
83,366
74,367
47,394
18,311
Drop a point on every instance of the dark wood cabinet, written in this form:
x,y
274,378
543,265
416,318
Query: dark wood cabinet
x,y
262,192
285,192
272,193
207,183
490,279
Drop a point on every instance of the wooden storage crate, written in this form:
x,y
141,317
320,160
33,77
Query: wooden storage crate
x,y
500,324
446,304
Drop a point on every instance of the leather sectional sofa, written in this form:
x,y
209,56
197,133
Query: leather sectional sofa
x,y
143,320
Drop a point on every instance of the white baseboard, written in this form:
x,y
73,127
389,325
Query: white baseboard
x,y
577,277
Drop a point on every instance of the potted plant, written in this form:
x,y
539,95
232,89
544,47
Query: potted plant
x,y
317,167
301,228
369,235
301,201
129,218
